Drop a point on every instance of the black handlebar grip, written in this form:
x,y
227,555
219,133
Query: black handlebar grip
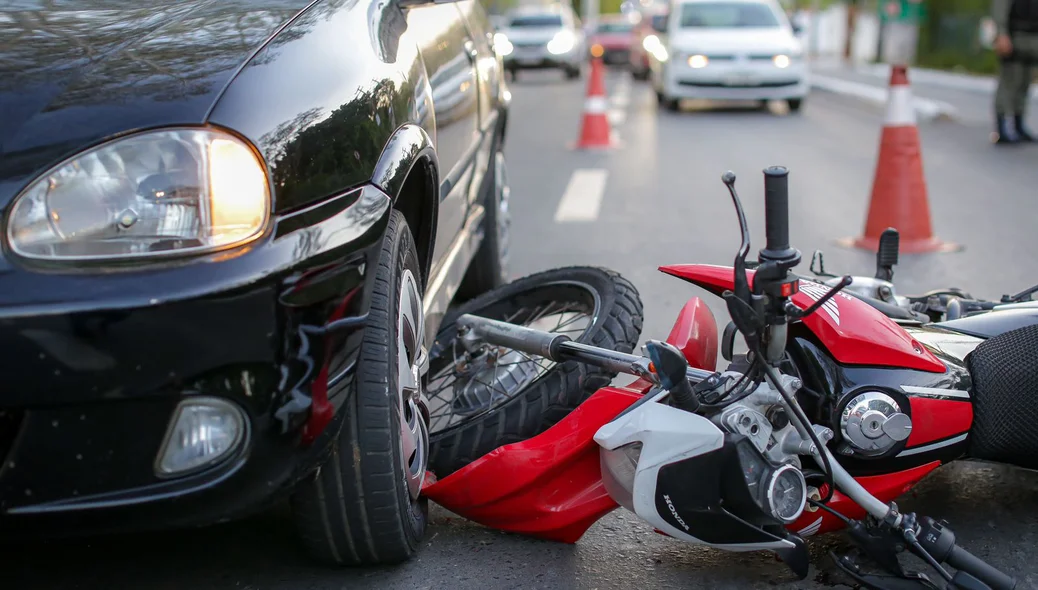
x,y
889,245
963,560
776,208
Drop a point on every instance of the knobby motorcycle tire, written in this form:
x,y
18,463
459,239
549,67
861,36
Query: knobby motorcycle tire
x,y
556,393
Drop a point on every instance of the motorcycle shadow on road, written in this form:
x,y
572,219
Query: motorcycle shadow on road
x,y
993,508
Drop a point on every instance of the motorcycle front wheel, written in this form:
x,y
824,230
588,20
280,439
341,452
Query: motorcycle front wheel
x,y
482,397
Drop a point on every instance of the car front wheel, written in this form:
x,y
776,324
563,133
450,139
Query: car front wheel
x,y
795,104
364,505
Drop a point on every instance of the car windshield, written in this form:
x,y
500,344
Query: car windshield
x,y
536,20
727,14
615,27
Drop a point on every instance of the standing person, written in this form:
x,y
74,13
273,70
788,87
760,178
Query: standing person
x,y
1017,46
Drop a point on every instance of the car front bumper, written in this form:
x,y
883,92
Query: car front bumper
x,y
93,367
538,56
719,80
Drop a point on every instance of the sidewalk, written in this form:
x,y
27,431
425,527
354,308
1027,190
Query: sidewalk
x,y
937,95
939,78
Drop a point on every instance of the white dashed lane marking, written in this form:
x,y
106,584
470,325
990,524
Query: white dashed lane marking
x,y
583,196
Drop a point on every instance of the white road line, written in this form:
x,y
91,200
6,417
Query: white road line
x,y
583,196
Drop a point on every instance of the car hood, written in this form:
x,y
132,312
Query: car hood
x,y
73,72
741,40
531,34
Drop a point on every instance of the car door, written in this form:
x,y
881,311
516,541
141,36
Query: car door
x,y
488,82
447,50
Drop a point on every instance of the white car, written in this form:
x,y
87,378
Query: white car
x,y
544,36
727,50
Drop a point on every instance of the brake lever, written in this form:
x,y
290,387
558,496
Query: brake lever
x,y
795,312
742,283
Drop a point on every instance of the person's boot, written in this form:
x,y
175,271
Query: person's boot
x,y
1022,131
1004,133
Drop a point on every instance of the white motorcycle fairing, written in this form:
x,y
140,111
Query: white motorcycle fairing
x,y
666,465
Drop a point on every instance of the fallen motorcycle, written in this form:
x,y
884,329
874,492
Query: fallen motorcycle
x,y
834,412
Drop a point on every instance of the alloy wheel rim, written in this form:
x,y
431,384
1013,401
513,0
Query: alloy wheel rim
x,y
414,432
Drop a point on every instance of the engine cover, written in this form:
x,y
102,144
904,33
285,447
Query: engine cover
x,y
872,423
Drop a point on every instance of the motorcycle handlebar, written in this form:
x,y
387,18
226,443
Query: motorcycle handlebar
x,y
776,208
965,561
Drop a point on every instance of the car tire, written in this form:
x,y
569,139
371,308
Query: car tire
x,y
572,73
363,505
795,104
640,75
489,267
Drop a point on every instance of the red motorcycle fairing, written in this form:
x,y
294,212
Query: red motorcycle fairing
x,y
854,332
695,335
887,488
549,486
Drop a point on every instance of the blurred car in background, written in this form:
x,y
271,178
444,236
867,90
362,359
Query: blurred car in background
x,y
727,50
651,21
539,37
611,39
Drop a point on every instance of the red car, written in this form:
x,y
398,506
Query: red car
x,y
612,38
652,19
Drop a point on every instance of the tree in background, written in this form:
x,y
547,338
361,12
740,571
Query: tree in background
x,y
950,37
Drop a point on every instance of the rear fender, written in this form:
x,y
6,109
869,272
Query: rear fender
x,y
549,486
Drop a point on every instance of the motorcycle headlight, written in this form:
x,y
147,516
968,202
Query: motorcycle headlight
x,y
619,467
153,194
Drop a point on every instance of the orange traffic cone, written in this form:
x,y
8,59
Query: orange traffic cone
x,y
595,132
899,197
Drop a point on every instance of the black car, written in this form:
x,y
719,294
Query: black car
x,y
229,228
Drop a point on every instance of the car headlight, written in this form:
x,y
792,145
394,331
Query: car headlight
x,y
157,193
697,61
502,45
781,61
562,42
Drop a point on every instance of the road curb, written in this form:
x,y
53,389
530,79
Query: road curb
x,y
925,109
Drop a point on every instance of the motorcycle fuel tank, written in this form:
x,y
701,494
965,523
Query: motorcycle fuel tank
x,y
852,331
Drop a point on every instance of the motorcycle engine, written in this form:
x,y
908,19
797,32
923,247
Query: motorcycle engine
x,y
763,418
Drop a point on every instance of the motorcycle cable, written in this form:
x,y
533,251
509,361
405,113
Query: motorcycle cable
x,y
798,413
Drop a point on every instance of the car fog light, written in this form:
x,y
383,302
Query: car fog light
x,y
618,470
781,61
698,61
203,431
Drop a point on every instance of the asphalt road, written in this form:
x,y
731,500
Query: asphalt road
x,y
662,202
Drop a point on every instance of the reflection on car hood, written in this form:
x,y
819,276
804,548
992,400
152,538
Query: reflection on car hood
x,y
73,72
714,41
